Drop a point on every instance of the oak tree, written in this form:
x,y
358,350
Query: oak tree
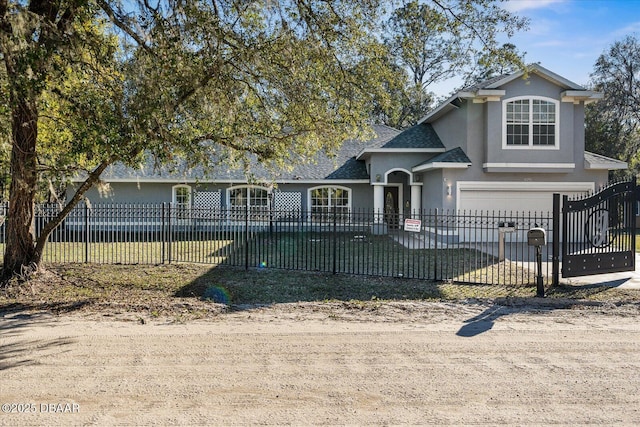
x,y
613,123
87,83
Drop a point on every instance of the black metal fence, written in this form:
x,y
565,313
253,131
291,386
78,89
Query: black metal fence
x,y
488,248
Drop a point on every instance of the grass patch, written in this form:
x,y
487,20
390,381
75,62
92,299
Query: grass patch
x,y
186,291
358,253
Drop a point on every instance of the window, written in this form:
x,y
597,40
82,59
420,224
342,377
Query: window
x,y
182,200
325,202
256,199
531,122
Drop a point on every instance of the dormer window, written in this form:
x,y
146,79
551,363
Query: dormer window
x,y
530,122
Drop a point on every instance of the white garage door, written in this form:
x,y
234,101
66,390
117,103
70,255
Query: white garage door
x,y
527,198
517,198
506,201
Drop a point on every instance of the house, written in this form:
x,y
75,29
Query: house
x,y
506,144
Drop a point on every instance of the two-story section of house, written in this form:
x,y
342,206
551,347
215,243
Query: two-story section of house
x,y
509,144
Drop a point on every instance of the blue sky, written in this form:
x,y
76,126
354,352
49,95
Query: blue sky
x,y
567,36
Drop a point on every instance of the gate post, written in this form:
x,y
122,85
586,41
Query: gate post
x,y
633,212
555,257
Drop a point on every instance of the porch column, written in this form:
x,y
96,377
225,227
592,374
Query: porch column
x,y
378,203
416,202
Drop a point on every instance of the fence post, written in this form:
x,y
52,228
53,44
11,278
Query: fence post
x,y
565,225
435,246
169,233
163,231
246,236
335,243
87,233
555,256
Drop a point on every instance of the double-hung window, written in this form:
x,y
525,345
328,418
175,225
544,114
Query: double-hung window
x,y
530,123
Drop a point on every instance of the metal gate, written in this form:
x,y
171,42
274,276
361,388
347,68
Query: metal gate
x,y
599,231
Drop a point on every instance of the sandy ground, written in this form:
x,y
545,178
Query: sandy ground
x,y
331,364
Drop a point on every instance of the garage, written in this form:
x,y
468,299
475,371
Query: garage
x,y
510,199
519,197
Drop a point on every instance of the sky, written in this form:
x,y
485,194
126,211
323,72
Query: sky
x,y
568,36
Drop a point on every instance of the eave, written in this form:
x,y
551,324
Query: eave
x,y
366,153
529,167
577,96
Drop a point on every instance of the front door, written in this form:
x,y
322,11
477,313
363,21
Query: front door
x,y
391,211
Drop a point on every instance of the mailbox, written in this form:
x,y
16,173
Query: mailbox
x,y
506,227
537,237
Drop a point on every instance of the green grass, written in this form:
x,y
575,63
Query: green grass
x,y
211,251
350,253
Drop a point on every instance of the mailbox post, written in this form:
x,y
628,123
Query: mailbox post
x,y
504,227
538,237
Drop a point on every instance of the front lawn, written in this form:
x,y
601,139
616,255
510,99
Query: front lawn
x,y
179,291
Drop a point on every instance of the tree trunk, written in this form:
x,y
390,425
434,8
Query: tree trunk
x,y
48,228
20,244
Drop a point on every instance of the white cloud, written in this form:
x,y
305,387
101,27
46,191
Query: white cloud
x,y
519,5
634,27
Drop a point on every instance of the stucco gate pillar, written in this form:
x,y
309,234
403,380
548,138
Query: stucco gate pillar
x,y
378,226
416,202
378,203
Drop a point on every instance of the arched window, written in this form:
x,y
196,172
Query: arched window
x,y
256,199
530,122
325,202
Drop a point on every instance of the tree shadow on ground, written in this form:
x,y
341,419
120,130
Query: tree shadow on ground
x,y
56,307
266,287
14,323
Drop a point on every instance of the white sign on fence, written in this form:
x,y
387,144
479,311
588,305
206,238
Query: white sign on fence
x,y
412,225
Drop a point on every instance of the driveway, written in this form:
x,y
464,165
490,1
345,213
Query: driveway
x,y
407,363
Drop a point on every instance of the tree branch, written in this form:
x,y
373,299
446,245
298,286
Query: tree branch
x,y
120,22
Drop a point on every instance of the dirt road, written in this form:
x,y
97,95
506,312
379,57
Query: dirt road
x,y
302,364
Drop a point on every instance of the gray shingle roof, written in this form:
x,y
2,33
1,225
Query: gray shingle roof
x,y
456,155
418,136
598,161
483,84
342,166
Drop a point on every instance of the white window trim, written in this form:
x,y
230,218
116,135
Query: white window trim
x,y
174,193
530,146
347,189
237,187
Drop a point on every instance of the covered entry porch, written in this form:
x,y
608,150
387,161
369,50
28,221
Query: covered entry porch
x,y
396,196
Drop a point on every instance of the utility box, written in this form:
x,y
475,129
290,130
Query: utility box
x,y
537,237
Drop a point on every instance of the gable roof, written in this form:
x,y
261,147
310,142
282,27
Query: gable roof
x,y
533,69
455,158
343,166
418,138
491,88
598,161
